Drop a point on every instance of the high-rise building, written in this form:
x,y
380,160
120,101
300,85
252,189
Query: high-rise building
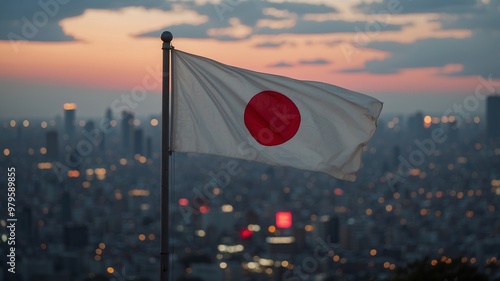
x,y
69,119
109,114
89,126
149,147
52,145
127,125
138,143
416,125
493,117
328,229
66,214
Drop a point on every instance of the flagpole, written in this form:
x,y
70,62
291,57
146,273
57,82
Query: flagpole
x,y
166,37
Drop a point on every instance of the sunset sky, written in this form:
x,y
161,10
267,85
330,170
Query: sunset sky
x,y
412,55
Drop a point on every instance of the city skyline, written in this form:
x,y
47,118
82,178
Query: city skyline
x,y
412,56
428,187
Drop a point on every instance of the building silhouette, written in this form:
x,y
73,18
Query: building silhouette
x,y
66,207
127,126
138,141
52,145
493,117
416,125
149,147
109,114
69,119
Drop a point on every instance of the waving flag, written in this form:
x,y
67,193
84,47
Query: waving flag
x,y
228,111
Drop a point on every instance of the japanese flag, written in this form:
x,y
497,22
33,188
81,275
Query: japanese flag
x,y
228,111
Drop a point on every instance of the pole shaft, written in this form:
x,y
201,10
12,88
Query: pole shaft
x,y
165,159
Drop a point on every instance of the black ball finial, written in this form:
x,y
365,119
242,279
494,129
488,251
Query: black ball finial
x,y
167,36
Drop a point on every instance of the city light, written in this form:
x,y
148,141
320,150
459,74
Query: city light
x,y
427,121
280,240
245,234
69,106
283,219
231,249
183,202
254,227
44,165
226,208
266,262
138,192
100,173
73,173
204,209
271,229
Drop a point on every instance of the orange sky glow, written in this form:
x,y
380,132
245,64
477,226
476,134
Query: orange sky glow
x,y
107,55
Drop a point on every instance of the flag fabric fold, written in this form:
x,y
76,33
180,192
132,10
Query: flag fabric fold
x,y
228,111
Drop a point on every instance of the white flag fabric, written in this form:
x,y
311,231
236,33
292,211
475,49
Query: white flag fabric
x,y
228,111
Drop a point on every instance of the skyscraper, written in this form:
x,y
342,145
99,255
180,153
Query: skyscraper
x,y
149,147
127,125
493,117
52,145
416,125
109,114
138,143
69,119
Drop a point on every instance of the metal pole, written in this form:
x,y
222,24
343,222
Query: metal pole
x,y
166,37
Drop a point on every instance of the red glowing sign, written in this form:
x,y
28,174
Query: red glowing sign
x,y
204,209
245,234
183,202
284,219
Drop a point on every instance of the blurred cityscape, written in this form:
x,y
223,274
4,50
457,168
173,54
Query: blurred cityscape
x,y
88,203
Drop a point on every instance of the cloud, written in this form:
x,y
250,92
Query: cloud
x,y
287,18
318,61
30,20
269,44
249,14
480,18
315,62
473,53
477,54
281,64
39,20
323,27
417,6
